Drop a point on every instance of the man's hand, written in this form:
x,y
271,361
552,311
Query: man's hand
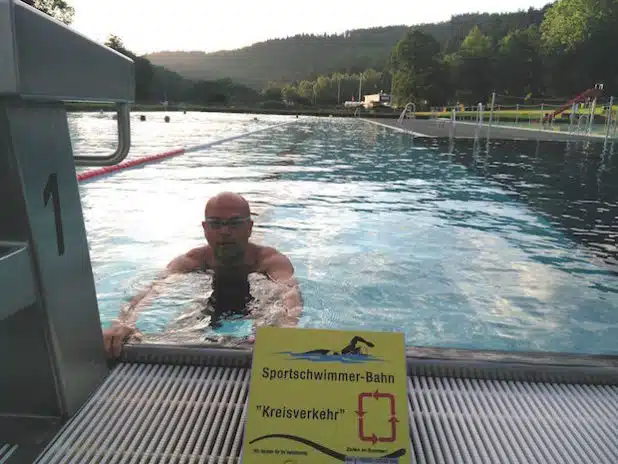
x,y
115,337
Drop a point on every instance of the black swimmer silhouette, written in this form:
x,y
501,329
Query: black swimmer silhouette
x,y
350,349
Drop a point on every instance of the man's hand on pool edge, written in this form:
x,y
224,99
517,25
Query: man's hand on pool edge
x,y
115,337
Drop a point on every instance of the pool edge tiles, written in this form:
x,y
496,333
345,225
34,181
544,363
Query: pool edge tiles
x,y
443,128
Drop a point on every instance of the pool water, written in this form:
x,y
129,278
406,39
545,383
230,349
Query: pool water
x,y
505,246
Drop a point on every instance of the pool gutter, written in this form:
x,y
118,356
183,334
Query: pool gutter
x,y
188,404
448,362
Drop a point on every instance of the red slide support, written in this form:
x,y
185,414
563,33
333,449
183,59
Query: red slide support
x,y
127,164
590,93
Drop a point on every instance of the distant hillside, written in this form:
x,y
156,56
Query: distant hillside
x,y
295,58
306,56
155,84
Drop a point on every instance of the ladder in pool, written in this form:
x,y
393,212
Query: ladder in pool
x,y
410,106
62,402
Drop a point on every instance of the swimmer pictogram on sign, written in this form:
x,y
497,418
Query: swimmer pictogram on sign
x,y
364,422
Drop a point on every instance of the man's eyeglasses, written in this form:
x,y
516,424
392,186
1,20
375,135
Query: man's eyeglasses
x,y
233,222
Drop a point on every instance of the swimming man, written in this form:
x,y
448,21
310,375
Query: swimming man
x,y
231,257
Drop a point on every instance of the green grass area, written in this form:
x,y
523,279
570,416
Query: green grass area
x,y
512,115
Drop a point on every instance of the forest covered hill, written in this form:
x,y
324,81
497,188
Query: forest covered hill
x,y
304,56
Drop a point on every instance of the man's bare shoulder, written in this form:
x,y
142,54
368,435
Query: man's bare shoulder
x,y
192,260
274,263
268,254
265,252
198,253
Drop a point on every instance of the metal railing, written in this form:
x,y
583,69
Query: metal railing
x,y
124,142
479,114
453,122
406,110
609,119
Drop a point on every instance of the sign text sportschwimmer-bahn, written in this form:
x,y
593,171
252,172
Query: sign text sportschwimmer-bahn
x,y
326,396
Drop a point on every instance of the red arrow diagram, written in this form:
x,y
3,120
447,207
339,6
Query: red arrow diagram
x,y
372,438
393,420
361,415
377,395
361,412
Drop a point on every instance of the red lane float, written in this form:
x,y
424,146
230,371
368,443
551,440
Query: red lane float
x,y
127,164
149,159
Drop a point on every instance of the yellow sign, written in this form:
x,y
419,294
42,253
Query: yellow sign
x,y
327,396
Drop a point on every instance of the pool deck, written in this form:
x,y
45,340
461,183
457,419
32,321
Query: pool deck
x,y
189,404
470,130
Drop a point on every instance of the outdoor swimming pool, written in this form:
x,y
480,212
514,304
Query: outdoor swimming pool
x,y
509,249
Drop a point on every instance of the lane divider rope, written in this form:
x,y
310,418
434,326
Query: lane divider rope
x,y
99,172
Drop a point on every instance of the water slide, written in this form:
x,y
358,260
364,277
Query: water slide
x,y
590,93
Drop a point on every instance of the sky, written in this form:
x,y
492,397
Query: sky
x,y
209,25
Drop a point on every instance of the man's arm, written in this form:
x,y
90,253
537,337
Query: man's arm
x,y
279,269
124,326
188,262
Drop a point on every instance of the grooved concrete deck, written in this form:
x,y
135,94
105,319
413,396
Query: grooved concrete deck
x,y
176,405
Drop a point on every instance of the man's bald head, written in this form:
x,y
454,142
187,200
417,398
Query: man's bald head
x,y
227,228
227,204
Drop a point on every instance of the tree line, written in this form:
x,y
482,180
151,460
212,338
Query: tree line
x,y
155,84
308,56
568,52
557,51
